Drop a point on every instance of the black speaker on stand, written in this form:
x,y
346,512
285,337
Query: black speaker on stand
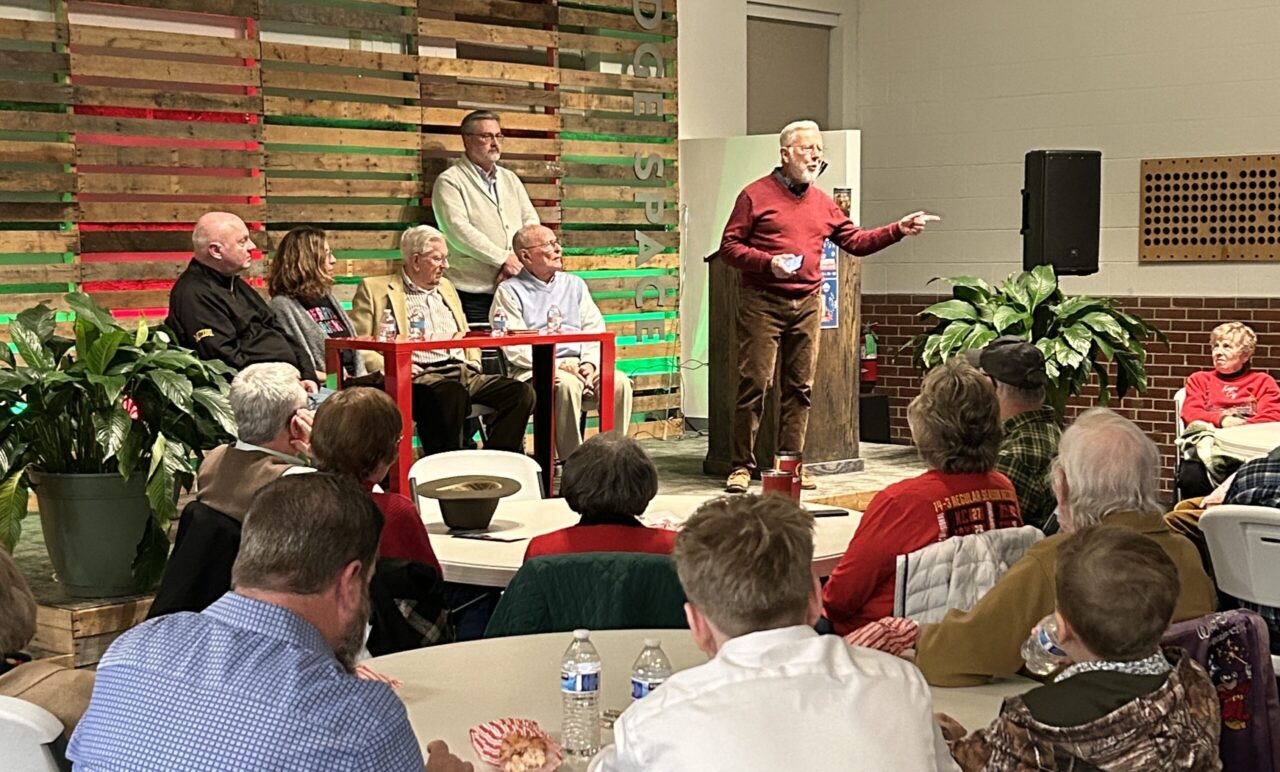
x,y
1060,210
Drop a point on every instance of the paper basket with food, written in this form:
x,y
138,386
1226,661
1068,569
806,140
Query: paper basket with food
x,y
515,745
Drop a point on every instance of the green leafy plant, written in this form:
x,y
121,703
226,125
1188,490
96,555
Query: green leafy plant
x,y
1078,335
109,400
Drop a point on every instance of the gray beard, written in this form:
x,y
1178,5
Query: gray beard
x,y
353,636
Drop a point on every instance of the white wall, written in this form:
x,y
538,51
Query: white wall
x,y
952,95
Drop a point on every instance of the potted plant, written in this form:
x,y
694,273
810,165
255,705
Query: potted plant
x,y
104,428
1078,335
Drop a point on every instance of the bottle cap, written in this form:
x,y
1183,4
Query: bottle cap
x,y
581,634
652,643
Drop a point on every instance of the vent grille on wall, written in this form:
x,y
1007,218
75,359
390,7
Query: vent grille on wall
x,y
1218,208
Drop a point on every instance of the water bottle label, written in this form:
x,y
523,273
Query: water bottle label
x,y
579,682
1048,645
641,688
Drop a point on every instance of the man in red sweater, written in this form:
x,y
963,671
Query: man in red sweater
x,y
774,237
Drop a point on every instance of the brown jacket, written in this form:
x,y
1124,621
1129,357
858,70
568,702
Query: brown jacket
x,y
61,691
229,478
372,299
970,647
1174,728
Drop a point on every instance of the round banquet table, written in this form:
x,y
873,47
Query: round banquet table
x,y
492,563
1249,441
449,689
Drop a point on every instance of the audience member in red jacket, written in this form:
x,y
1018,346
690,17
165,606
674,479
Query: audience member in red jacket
x,y
1230,394
608,481
955,423
356,434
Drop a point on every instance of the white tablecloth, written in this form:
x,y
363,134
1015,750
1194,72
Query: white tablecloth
x,y
1250,440
493,563
449,689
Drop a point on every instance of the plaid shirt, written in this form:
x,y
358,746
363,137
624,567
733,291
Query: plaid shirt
x,y
1029,446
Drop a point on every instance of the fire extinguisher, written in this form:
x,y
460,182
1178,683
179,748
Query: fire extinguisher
x,y
867,371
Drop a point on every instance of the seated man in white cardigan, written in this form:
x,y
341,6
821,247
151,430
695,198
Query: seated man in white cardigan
x,y
525,298
480,206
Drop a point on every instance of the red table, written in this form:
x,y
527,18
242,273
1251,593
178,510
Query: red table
x,y
398,355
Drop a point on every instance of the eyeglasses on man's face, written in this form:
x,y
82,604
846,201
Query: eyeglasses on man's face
x,y
487,136
554,244
809,150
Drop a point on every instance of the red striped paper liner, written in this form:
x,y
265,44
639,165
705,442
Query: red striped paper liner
x,y
890,634
487,740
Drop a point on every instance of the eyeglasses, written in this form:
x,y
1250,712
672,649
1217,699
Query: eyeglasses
x,y
807,149
554,244
488,137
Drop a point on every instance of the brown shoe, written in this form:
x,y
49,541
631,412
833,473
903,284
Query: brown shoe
x,y
739,480
806,480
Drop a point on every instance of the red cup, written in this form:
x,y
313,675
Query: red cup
x,y
775,481
790,462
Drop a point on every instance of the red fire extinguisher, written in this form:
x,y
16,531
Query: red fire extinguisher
x,y
867,371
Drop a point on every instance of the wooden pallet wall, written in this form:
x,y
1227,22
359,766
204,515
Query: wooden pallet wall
x,y
121,123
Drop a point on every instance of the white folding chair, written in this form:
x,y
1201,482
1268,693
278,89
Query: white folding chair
x,y
26,729
516,466
1179,397
1244,545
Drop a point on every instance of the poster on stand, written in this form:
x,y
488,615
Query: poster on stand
x,y
830,286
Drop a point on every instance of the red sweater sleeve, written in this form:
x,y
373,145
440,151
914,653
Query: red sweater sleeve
x,y
404,537
867,564
1268,393
735,248
856,241
1197,406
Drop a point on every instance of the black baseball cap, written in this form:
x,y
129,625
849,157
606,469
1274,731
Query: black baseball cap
x,y
1012,360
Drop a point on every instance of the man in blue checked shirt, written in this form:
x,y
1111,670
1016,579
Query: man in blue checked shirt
x,y
262,679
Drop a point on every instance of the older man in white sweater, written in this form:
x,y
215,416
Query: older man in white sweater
x,y
525,299
480,205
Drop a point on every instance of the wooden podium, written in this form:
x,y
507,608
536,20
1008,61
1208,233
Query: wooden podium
x,y
831,444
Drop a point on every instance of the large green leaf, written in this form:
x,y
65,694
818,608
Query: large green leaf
x,y
1071,308
40,320
1066,355
1106,324
954,335
1008,316
162,495
140,336
1079,337
218,406
112,386
1016,290
30,346
130,453
969,288
13,507
111,429
175,388
6,354
10,451
1041,283
951,309
88,311
102,350
1104,393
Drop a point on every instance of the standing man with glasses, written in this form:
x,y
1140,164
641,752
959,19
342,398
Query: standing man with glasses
x,y
774,237
480,206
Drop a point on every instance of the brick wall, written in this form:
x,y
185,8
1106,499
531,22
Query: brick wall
x,y
1187,322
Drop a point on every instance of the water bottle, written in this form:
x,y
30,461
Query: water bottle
x,y
580,690
417,324
387,330
498,327
1041,651
554,319
651,669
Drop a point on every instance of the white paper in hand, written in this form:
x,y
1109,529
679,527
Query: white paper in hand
x,y
793,262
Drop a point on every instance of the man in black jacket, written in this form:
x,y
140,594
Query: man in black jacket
x,y
218,314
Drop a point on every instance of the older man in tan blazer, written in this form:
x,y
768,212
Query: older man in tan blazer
x,y
446,382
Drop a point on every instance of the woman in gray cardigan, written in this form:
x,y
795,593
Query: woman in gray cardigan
x,y
300,279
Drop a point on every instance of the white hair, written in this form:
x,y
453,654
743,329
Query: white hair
x,y
415,240
1107,465
264,398
792,129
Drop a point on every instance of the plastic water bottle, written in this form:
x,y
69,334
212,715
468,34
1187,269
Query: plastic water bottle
x,y
498,327
387,330
651,669
580,690
1041,651
417,324
554,319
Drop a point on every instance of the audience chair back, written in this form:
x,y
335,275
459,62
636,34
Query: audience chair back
x,y
26,730
1244,544
1179,397
956,573
199,569
515,466
1233,648
595,590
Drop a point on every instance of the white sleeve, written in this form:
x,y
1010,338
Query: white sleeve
x,y
446,203
519,357
592,321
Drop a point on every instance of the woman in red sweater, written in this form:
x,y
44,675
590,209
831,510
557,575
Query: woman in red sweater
x,y
609,481
1230,394
356,433
955,424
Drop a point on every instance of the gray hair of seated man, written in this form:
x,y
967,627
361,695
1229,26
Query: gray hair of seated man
x,y
414,240
1106,464
264,398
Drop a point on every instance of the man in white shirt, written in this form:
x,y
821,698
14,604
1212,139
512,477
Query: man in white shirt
x,y
480,206
775,695
525,298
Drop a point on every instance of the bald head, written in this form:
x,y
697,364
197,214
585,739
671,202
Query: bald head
x,y
538,251
221,241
